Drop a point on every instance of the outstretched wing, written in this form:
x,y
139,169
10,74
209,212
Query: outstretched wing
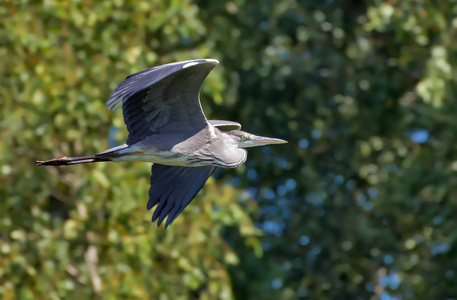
x,y
225,125
163,99
173,188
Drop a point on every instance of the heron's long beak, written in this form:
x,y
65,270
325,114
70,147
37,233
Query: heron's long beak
x,y
261,140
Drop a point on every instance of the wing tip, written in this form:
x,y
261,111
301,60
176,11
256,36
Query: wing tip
x,y
212,60
191,63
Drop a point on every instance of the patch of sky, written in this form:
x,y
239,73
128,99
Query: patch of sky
x,y
303,240
338,179
281,190
251,191
440,248
391,280
273,227
388,259
112,136
303,143
316,134
372,192
276,284
291,184
384,281
437,220
394,281
418,135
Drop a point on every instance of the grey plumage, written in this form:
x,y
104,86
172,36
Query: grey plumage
x,y
167,126
172,200
162,99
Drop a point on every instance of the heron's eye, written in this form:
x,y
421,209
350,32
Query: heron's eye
x,y
243,137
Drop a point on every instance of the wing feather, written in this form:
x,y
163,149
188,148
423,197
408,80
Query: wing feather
x,y
225,125
163,99
173,188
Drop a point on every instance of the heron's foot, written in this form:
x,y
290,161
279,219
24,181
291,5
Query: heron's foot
x,y
53,161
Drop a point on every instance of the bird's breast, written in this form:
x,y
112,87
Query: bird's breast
x,y
171,158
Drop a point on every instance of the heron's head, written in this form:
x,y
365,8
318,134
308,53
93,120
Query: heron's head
x,y
246,139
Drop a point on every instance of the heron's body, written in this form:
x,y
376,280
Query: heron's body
x,y
167,127
185,150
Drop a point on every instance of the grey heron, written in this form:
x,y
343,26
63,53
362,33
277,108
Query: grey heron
x,y
167,126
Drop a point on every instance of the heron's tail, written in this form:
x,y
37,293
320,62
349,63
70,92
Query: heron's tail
x,y
107,155
65,161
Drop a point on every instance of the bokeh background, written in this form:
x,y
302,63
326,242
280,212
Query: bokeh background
x,y
361,204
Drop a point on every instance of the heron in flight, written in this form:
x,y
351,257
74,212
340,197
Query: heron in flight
x,y
167,126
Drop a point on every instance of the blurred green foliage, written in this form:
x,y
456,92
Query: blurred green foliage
x,y
360,204
80,232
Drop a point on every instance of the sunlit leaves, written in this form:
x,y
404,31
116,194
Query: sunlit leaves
x,y
76,232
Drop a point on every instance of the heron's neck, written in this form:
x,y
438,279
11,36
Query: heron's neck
x,y
226,152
